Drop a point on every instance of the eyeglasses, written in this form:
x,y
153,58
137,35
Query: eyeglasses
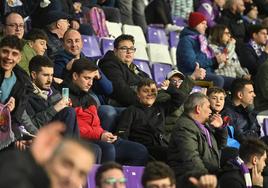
x,y
14,25
126,49
112,181
176,81
159,186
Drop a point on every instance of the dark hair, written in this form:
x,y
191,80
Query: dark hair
x,y
216,34
35,34
238,85
145,82
122,38
155,171
215,90
68,31
11,41
251,146
38,61
83,64
4,19
105,167
193,100
255,29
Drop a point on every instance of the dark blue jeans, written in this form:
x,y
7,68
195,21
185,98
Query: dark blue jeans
x,y
219,81
124,152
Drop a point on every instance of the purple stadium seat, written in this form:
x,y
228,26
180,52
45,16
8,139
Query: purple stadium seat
x,y
156,35
91,47
144,66
174,38
179,21
160,71
106,44
91,177
265,126
133,175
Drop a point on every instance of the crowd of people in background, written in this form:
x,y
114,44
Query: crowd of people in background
x,y
61,112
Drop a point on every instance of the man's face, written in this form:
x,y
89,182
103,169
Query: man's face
x,y
43,79
176,81
204,110
201,28
161,183
239,6
67,170
9,57
216,101
147,94
261,162
260,37
113,178
247,95
73,42
84,80
14,25
39,46
125,51
253,13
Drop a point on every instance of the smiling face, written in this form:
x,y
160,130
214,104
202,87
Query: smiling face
x,y
147,94
14,25
9,57
216,101
73,42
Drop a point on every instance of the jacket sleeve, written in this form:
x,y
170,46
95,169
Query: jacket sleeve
x,y
60,66
103,86
124,124
89,123
230,182
221,137
122,92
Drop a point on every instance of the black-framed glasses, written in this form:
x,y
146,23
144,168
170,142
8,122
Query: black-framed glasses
x,y
112,181
14,25
126,49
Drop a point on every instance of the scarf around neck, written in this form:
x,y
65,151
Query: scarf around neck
x,y
205,131
257,48
42,93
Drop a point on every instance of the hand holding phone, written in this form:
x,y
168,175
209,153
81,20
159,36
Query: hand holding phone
x,y
65,94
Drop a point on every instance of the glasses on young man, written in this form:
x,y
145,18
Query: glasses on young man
x,y
113,181
126,49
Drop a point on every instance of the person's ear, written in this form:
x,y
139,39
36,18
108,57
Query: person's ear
x,y
75,76
198,109
33,75
254,160
240,94
31,44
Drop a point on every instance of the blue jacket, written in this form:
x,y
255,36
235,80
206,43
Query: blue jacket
x,y
188,53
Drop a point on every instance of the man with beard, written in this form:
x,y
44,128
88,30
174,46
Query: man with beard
x,y
196,140
46,103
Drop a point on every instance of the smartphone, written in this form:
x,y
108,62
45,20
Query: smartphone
x,y
65,93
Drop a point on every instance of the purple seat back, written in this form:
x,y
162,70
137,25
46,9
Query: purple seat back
x,y
265,126
91,177
157,35
179,21
106,45
91,47
174,38
144,66
160,71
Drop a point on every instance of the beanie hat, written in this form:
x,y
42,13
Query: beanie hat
x,y
195,18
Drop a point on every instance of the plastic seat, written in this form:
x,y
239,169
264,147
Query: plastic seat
x,y
133,175
160,72
91,47
156,35
179,21
141,52
159,53
91,176
114,29
136,32
144,66
174,38
106,45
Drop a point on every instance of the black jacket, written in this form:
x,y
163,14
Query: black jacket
x,y
123,79
146,124
232,177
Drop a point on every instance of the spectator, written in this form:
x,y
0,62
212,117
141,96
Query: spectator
x,y
255,52
118,66
37,40
113,148
14,81
193,48
45,103
212,10
251,14
57,24
158,174
232,18
145,122
222,42
110,174
132,12
194,144
246,169
241,116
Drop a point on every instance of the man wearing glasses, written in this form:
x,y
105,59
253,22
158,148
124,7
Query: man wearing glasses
x,y
118,66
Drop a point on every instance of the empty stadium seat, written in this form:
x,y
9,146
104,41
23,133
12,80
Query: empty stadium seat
x,y
91,47
174,38
114,29
179,21
136,32
156,35
159,53
144,66
106,44
159,71
141,52
91,176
